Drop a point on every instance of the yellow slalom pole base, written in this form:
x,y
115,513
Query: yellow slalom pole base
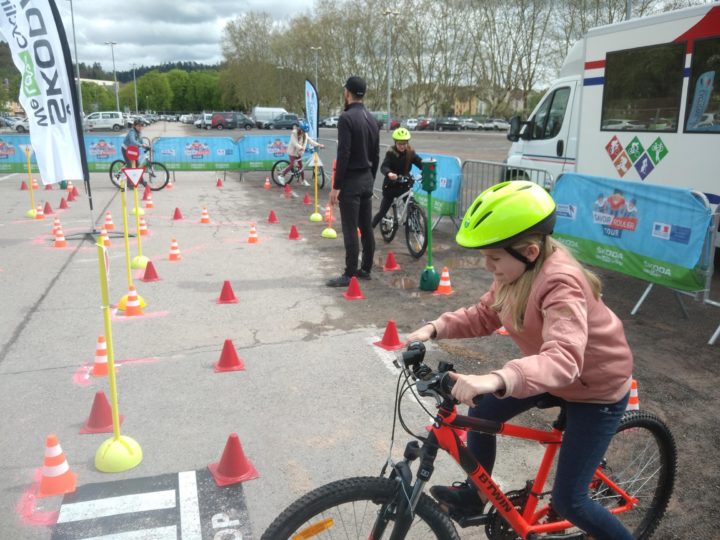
x,y
122,304
31,213
140,211
118,454
315,217
139,262
329,232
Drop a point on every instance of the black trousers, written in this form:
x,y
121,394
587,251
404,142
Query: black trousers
x,y
356,212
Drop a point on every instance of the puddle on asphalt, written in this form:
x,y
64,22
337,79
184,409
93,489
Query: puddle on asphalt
x,y
464,261
404,282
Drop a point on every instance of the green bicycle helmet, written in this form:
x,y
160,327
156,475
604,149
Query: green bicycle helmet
x,y
401,134
505,212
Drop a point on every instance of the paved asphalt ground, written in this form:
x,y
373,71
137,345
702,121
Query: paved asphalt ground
x,y
313,405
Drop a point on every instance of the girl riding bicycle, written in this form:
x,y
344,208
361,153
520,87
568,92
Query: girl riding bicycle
x,y
573,347
398,161
299,139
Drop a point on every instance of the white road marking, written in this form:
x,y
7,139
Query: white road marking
x,y
189,507
112,506
388,358
8,176
158,533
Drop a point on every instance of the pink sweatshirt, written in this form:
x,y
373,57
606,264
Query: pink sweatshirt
x,y
574,345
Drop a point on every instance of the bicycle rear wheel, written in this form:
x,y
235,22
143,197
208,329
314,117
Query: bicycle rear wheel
x,y
277,168
156,175
349,508
116,174
389,224
416,230
641,459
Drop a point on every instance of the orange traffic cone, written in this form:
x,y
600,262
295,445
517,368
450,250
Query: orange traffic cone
x,y
174,251
57,478
502,331
353,291
204,216
71,197
104,238
143,227
75,192
306,199
391,340
63,204
170,184
47,210
294,234
150,273
328,213
133,308
70,187
634,401
23,186
177,216
60,241
39,214
109,225
287,190
56,226
35,183
253,237
100,366
146,194
267,185
219,183
100,419
227,295
444,287
48,187
229,359
391,264
272,218
149,202
233,466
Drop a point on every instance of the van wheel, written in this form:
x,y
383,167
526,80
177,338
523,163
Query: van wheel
x,y
117,127
248,127
220,127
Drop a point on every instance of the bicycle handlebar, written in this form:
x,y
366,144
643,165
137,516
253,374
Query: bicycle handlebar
x,y
437,384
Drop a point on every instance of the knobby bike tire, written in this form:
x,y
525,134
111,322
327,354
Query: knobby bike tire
x,y
642,459
361,495
116,174
321,177
160,178
416,236
388,228
277,168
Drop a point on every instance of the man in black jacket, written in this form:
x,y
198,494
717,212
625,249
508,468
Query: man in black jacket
x,y
358,157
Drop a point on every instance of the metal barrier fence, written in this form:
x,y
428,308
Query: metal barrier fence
x,y
477,176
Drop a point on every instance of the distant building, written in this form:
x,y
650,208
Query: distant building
x,y
98,82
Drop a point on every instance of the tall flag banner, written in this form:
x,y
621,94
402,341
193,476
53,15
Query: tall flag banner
x,y
312,108
40,51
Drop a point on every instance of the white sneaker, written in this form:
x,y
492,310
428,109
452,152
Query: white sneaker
x,y
304,183
281,180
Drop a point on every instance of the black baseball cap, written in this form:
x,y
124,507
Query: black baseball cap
x,y
356,86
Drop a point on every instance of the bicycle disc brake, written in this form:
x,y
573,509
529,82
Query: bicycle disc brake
x,y
496,527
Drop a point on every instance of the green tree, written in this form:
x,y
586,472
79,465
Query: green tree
x,y
154,91
97,98
203,93
178,80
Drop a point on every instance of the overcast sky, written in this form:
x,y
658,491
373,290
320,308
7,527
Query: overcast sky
x,y
150,32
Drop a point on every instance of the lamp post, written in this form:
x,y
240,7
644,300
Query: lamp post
x,y
135,86
316,50
77,65
389,13
112,51
280,68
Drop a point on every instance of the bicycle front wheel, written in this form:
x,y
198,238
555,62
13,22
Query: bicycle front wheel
x,y
349,508
116,174
389,224
156,175
321,177
416,231
277,169
641,459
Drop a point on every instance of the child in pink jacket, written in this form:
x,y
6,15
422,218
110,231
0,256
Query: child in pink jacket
x,y
573,348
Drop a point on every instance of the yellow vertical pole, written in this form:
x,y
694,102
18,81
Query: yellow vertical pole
x,y
123,185
137,221
30,213
315,216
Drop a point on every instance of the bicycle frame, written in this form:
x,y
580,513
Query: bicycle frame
x,y
444,435
403,199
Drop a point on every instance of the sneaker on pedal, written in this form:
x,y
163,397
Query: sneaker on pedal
x,y
461,498
281,179
305,183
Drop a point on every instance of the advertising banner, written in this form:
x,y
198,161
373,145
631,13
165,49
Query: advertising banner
x,y
312,108
197,153
12,154
35,34
651,232
102,150
259,152
449,174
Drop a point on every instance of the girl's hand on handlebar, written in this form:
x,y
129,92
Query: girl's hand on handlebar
x,y
392,176
468,387
422,334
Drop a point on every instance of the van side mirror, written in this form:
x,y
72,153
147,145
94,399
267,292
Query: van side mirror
x,y
527,133
513,133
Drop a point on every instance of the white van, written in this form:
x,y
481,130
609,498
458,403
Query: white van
x,y
105,120
634,100
264,115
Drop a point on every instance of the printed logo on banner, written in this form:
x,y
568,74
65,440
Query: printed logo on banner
x,y
224,151
103,150
634,149
644,166
29,82
197,150
657,150
615,214
661,230
614,148
252,151
622,164
6,150
656,270
277,148
445,183
609,255
673,233
167,152
568,211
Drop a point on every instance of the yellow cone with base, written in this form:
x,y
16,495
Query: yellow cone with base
x,y
118,454
139,262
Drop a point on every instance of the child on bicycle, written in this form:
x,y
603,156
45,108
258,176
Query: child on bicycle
x,y
134,138
299,139
398,160
573,347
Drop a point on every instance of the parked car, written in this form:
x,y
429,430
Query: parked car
x,y
425,124
411,123
469,123
330,121
264,115
394,123
449,123
497,124
230,120
204,122
284,121
105,120
22,126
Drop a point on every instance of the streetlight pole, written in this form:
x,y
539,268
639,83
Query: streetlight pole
x,y
135,86
112,51
316,50
389,13
280,68
77,65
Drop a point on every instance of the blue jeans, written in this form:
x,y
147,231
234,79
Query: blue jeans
x,y
589,428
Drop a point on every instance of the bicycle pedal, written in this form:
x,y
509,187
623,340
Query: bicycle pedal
x,y
466,521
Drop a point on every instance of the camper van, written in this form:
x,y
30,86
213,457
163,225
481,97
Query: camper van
x,y
262,116
637,100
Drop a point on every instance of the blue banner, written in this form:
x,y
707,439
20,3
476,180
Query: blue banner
x,y
197,153
655,233
449,175
12,154
101,151
261,151
311,108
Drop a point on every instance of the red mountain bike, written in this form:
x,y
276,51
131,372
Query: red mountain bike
x,y
634,480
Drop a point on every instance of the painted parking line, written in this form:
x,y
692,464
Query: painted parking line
x,y
113,506
158,533
189,506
